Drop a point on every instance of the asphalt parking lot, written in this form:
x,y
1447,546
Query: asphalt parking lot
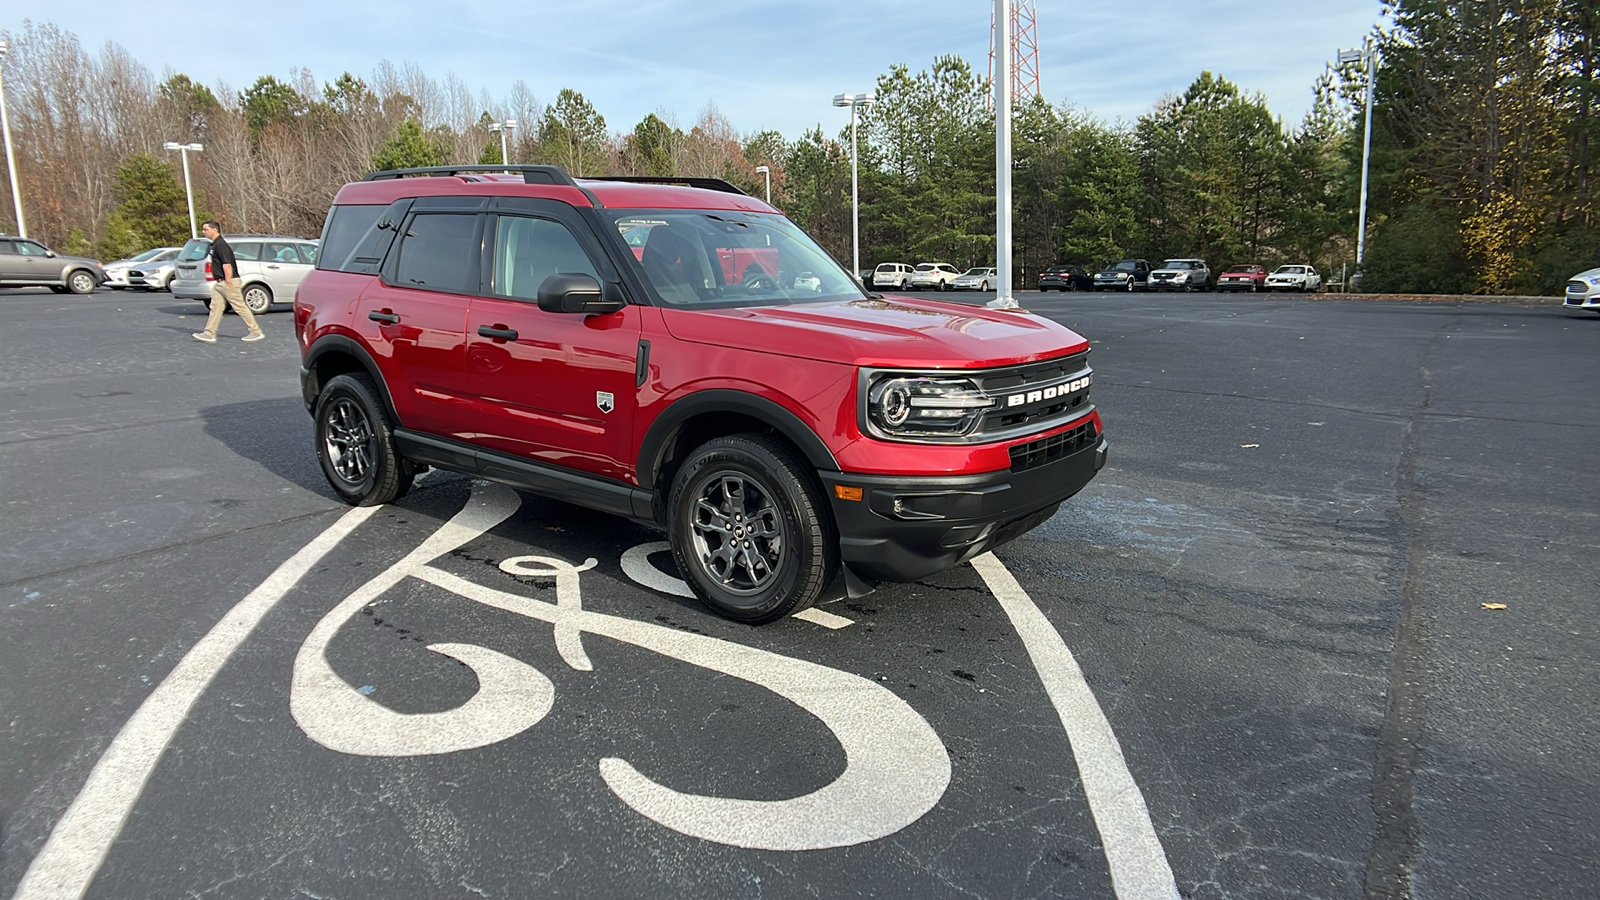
x,y
1323,627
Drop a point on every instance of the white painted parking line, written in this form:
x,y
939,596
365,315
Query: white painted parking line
x,y
79,842
1139,867
825,619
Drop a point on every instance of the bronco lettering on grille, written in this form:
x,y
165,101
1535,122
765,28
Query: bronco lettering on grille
x,y
1049,393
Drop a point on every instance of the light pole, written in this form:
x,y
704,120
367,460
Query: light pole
x,y
11,156
853,101
763,170
501,128
183,151
1369,55
1002,156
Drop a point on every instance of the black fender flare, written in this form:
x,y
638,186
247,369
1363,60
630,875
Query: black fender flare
x,y
662,432
343,344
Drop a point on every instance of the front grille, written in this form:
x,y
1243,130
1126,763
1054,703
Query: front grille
x,y
1577,287
1047,450
1034,415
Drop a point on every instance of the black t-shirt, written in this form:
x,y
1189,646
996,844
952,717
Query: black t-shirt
x,y
222,254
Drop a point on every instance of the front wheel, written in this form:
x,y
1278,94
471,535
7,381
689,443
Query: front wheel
x,y
258,297
355,445
81,282
984,286
750,531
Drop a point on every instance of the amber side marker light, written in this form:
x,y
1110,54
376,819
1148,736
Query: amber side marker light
x,y
846,493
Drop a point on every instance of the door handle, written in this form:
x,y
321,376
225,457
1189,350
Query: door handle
x,y
384,316
498,332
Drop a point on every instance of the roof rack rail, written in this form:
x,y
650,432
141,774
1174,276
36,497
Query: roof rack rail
x,y
710,184
530,174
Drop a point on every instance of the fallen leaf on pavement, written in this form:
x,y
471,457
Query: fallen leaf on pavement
x,y
1494,606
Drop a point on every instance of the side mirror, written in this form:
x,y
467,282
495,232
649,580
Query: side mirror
x,y
575,292
50,254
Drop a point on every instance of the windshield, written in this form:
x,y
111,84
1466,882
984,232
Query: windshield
x,y
148,254
196,249
1290,270
1177,264
976,272
1126,265
1243,269
727,258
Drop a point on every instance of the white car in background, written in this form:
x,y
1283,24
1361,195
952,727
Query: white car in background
x,y
117,272
891,275
935,275
1294,278
975,280
1583,291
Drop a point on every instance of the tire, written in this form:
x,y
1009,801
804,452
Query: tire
x,y
167,285
258,297
355,445
81,281
724,487
1130,285
984,286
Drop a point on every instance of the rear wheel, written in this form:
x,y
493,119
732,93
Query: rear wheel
x,y
355,445
258,297
81,281
750,532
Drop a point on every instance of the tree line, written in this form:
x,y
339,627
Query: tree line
x,y
1482,166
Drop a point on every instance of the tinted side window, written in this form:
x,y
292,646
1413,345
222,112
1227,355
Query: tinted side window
x,y
29,248
195,250
247,251
529,250
8,247
438,253
279,253
308,253
343,232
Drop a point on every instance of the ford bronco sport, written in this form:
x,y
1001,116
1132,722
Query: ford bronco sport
x,y
604,342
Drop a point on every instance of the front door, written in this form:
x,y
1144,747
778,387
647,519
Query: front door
x,y
553,387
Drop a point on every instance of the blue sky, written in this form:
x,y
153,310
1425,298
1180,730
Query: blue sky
x,y
764,64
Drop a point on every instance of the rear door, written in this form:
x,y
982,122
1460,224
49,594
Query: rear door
x,y
248,254
283,268
13,267
558,388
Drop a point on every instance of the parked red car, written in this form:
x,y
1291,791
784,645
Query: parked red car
x,y
604,342
1243,278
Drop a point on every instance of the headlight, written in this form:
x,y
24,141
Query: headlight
x,y
911,407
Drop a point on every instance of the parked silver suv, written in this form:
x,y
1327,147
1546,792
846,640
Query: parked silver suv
x,y
27,263
270,268
1181,275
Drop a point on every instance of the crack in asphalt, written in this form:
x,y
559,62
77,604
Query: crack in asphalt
x,y
1398,839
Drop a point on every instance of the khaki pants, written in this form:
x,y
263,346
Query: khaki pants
x,y
223,296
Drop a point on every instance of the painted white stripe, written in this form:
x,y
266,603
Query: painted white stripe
x,y
825,619
80,841
1139,867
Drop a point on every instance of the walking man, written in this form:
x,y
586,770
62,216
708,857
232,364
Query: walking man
x,y
225,288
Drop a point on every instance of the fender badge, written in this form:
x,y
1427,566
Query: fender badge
x,y
605,401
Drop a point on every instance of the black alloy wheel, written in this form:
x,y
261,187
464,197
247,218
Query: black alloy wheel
x,y
750,531
355,445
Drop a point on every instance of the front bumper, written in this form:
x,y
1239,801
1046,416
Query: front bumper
x,y
909,527
1155,285
1590,299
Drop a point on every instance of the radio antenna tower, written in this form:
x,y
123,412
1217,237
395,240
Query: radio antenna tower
x,y
1024,52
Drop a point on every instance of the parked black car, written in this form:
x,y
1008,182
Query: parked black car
x,y
1124,275
1065,278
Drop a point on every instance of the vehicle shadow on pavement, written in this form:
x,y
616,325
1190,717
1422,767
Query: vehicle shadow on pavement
x,y
273,433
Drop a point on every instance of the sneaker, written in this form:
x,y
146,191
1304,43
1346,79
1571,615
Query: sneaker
x,y
253,336
203,336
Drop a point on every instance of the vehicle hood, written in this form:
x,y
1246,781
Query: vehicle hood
x,y
889,331
1113,272
1174,271
1589,275
1290,275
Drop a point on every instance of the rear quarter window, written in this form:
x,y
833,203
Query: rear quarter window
x,y
342,239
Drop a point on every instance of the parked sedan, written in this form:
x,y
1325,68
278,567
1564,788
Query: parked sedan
x,y
1294,278
1583,291
933,275
976,280
1242,278
155,274
1065,278
117,271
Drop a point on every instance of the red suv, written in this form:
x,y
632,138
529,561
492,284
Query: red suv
x,y
605,342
